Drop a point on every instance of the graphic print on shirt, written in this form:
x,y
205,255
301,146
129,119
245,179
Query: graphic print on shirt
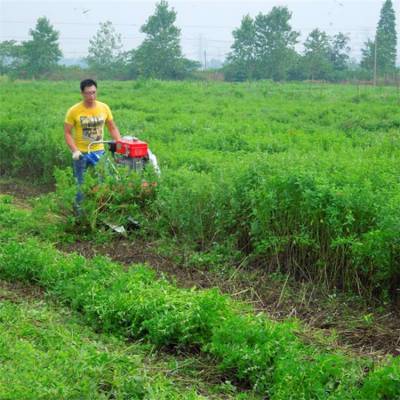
x,y
92,128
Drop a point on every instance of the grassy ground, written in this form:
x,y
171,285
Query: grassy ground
x,y
47,352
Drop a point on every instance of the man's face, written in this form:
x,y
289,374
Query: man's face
x,y
89,94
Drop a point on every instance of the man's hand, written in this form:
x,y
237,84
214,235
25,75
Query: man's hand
x,y
76,155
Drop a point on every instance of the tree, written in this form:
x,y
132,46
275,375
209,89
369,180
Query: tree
x,y
339,52
274,43
242,59
105,55
10,57
316,58
386,39
160,54
381,52
368,55
263,48
42,53
325,57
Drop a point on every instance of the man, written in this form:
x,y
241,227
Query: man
x,y
87,118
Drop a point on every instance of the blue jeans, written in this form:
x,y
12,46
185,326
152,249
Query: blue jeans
x,y
80,166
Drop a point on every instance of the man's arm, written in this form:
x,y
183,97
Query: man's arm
x,y
76,154
113,129
68,137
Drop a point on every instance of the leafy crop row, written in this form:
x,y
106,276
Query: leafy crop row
x,y
265,354
317,222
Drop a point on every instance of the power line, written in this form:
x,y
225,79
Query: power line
x,y
9,37
65,23
348,29
115,24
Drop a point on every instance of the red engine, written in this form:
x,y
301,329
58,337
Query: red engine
x,y
131,152
131,148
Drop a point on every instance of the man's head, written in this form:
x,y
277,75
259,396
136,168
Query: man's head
x,y
89,90
87,83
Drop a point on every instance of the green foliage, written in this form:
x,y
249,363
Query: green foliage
x,y
160,55
105,55
380,53
339,51
303,177
10,57
133,302
47,353
37,221
186,207
383,382
111,196
42,52
368,55
263,48
251,349
275,41
386,39
313,375
242,59
316,55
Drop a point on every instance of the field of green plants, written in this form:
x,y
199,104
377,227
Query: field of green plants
x,y
299,179
304,178
250,350
48,352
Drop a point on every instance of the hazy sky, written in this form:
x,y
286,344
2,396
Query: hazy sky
x,y
206,26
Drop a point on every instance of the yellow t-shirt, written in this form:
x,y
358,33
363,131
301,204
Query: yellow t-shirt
x,y
88,124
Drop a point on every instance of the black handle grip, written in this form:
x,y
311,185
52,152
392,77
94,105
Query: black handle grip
x,y
112,146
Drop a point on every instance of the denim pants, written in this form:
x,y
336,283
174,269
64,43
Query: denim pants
x,y
80,166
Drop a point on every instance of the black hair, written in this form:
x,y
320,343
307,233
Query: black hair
x,y
87,83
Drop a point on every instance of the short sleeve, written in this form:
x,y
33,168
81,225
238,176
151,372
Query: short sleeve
x,y
109,113
69,117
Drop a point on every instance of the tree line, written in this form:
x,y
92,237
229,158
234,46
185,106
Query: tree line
x,y
264,47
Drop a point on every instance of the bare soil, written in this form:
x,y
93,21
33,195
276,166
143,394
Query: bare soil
x,y
22,190
18,292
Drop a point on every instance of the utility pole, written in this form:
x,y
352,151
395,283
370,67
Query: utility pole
x,y
375,57
200,48
205,60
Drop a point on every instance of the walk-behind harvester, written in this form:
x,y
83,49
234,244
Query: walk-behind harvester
x,y
131,153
